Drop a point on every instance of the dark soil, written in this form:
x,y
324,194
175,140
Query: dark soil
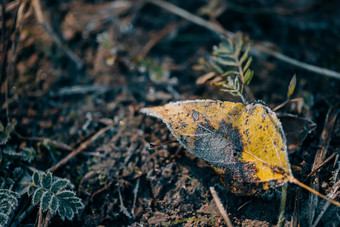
x,y
123,182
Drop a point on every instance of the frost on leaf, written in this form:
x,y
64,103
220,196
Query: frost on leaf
x,y
244,143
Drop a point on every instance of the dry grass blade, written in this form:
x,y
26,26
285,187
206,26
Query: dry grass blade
x,y
135,193
320,156
334,193
123,208
220,207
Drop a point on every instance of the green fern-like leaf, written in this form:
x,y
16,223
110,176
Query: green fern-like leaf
x,y
59,184
37,196
46,200
28,154
5,132
69,204
53,196
230,61
54,204
8,203
30,190
46,180
36,178
3,219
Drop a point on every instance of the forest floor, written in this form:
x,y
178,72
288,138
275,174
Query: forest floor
x,y
116,57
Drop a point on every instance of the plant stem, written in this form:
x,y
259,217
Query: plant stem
x,y
293,180
282,204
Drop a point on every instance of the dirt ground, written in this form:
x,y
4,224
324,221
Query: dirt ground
x,y
132,54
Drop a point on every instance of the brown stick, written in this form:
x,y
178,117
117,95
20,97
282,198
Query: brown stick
x,y
158,37
79,149
40,217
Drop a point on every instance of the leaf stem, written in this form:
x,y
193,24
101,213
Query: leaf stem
x,y
302,185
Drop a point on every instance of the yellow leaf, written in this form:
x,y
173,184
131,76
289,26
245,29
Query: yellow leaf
x,y
245,144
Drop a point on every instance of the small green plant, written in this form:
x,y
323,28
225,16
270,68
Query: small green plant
x,y
49,192
157,72
5,132
229,65
8,203
52,196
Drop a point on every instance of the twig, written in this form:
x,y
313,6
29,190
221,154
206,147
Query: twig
x,y
155,38
40,217
101,190
135,193
53,142
191,17
243,205
40,19
285,102
300,64
220,30
322,164
121,201
47,219
220,207
79,149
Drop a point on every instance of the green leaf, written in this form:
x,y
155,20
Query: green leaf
x,y
223,61
37,196
291,86
69,204
65,194
215,66
230,73
59,184
28,154
12,201
238,45
249,61
46,180
36,178
46,200
62,211
30,190
54,204
245,54
69,213
248,76
3,219
1,127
